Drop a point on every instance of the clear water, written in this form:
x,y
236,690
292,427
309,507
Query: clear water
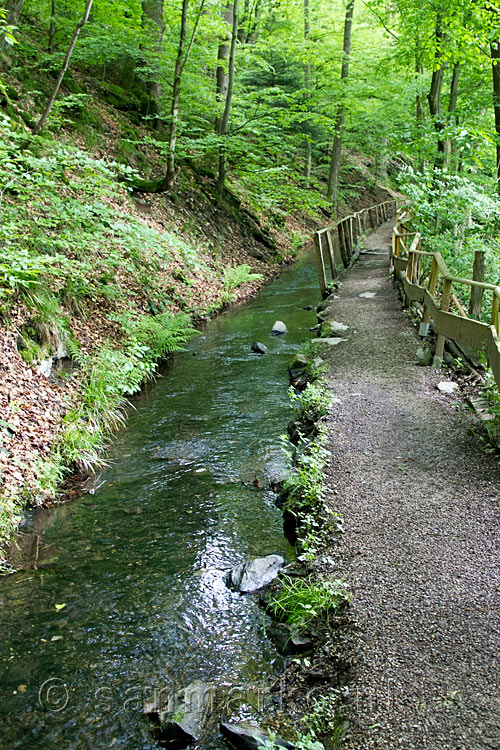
x,y
139,565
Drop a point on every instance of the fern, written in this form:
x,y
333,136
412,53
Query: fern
x,y
164,333
235,276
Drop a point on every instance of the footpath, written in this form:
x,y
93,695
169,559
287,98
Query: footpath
x,y
421,547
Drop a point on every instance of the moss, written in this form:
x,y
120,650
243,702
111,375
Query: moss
x,y
119,98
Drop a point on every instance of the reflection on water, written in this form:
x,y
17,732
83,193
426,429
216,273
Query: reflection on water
x,y
129,595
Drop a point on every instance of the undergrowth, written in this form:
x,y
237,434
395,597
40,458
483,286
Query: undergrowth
x,y
304,488
71,249
300,601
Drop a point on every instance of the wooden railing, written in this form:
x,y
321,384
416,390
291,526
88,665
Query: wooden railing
x,y
341,241
436,295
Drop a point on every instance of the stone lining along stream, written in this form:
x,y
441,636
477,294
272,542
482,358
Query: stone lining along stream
x,y
129,596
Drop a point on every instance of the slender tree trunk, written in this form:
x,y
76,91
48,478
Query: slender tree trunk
x,y
221,75
434,95
419,102
52,26
495,63
13,8
152,18
229,95
307,82
333,176
452,105
64,68
183,54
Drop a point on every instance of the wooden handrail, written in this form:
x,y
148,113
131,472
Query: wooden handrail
x,y
347,232
462,327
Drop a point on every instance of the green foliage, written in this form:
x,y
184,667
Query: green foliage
x,y
111,376
305,484
300,600
303,742
162,334
456,217
235,276
312,403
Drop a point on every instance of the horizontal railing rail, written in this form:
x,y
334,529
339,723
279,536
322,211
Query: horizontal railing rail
x,y
435,294
341,241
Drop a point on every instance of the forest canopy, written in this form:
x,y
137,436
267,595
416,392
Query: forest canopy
x,y
263,95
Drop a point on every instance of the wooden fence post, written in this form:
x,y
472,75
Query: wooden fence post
x,y
431,288
331,253
495,322
343,243
320,262
440,340
476,293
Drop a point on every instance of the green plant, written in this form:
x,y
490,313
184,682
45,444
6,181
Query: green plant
x,y
235,276
312,403
323,716
304,486
301,600
303,742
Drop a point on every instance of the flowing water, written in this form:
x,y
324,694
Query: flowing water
x,y
128,596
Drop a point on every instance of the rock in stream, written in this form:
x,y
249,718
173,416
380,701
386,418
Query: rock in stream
x,y
252,576
246,737
181,723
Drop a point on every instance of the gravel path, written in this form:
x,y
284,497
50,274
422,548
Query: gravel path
x,y
422,540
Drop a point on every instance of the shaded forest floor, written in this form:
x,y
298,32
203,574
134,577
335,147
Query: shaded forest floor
x,y
422,532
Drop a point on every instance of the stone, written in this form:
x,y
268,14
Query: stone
x,y
298,366
331,328
424,356
244,736
316,327
308,307
254,575
447,386
329,341
278,328
181,723
288,642
258,348
368,295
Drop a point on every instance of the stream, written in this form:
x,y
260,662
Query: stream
x,y
129,597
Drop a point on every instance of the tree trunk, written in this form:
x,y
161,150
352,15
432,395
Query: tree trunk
x,y
452,105
13,8
221,76
419,103
333,176
495,63
183,54
229,95
307,84
64,68
152,18
52,26
434,95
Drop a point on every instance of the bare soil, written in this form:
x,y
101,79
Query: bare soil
x,y
421,545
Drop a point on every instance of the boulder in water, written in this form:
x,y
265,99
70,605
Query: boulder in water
x,y
181,723
258,348
246,737
252,576
278,328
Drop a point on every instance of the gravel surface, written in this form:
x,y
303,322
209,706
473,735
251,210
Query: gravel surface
x,y
422,541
